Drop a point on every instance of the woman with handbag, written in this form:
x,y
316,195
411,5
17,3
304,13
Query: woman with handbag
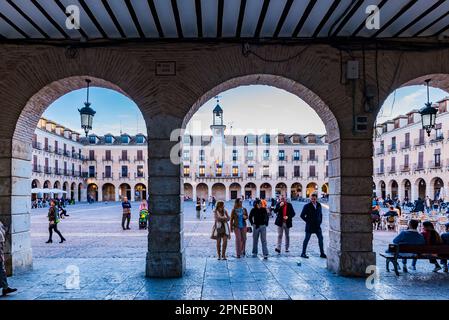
x,y
53,219
221,231
239,215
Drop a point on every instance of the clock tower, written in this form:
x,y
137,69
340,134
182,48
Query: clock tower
x,y
217,127
217,152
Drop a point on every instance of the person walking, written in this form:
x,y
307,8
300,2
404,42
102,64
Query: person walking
x,y
198,208
204,207
239,215
221,231
284,215
126,217
3,278
53,220
214,202
258,217
313,216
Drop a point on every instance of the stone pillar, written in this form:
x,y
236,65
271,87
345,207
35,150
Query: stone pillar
x,y
289,191
84,194
350,230
166,256
15,204
378,190
227,193
100,193
193,193
116,196
413,192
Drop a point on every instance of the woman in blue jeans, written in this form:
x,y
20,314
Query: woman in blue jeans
x,y
239,215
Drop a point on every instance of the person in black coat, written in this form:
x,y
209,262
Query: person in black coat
x,y
419,206
313,216
284,215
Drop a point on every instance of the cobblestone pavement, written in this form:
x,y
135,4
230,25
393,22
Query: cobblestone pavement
x,y
111,265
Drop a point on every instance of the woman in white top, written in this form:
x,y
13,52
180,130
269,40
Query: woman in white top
x,y
221,231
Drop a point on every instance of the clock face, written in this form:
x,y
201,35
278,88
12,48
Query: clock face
x,y
217,131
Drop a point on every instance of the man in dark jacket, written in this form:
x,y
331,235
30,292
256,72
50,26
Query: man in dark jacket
x,y
419,206
126,205
313,216
284,214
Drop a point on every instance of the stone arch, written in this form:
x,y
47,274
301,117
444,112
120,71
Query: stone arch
x,y
296,191
266,191
72,190
250,190
35,183
92,192
219,191
80,190
108,192
125,191
140,192
281,190
383,189
65,187
393,189
406,187
325,188
188,191
436,188
312,187
421,188
202,191
235,190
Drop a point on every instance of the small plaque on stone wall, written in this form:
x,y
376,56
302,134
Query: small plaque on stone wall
x,y
165,68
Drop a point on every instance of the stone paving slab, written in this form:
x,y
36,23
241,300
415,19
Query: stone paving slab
x,y
111,265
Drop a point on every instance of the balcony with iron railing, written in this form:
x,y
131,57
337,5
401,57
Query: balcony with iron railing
x,y
392,148
283,159
297,159
88,175
123,159
141,159
312,159
59,151
109,176
67,153
380,151
58,171
418,167
312,175
67,172
37,168
297,176
48,149
219,177
107,159
124,175
380,171
139,175
405,168
90,159
48,170
435,164
391,170
37,145
420,142
436,137
405,145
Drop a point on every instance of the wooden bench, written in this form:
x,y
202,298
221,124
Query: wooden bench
x,y
407,251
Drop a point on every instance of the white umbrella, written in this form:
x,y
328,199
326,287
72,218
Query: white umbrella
x,y
36,190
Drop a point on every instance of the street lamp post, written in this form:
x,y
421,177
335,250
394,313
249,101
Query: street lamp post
x,y
87,113
428,113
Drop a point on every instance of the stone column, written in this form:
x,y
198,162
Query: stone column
x,y
193,193
289,191
116,196
413,191
100,193
350,230
15,204
378,190
166,256
84,194
227,193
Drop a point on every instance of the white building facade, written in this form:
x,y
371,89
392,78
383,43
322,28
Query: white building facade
x,y
253,165
407,162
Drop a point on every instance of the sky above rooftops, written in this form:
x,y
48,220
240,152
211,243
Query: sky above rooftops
x,y
247,109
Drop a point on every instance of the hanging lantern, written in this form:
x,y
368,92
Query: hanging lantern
x,y
87,113
428,114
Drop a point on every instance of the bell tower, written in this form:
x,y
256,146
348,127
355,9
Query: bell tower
x,y
217,127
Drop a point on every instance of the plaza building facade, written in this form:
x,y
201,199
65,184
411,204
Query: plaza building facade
x,y
253,165
100,168
407,162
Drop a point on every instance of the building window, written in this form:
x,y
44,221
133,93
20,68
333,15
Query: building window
x,y
124,155
327,171
108,139
250,171
266,139
281,155
266,155
107,172
186,155
202,171
312,172
296,139
250,139
186,171
296,171
235,171
91,171
281,171
266,171
108,155
296,155
312,156
250,155
124,171
218,170
125,139
234,155
92,139
281,139
437,157
91,155
139,155
140,140
140,171
201,155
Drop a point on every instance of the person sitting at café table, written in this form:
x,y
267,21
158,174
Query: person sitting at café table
x,y
445,239
432,237
410,236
